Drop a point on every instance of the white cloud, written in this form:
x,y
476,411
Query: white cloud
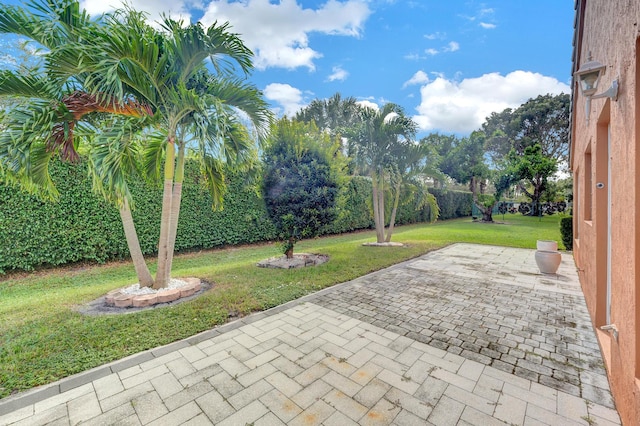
x,y
368,104
413,57
8,61
480,14
451,47
419,77
278,32
487,25
286,95
461,107
338,74
176,9
435,36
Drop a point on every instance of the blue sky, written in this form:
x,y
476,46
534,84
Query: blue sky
x,y
448,63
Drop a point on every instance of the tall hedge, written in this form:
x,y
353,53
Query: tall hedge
x,y
453,204
81,226
353,207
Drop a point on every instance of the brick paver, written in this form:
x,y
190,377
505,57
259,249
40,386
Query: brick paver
x,y
466,335
507,316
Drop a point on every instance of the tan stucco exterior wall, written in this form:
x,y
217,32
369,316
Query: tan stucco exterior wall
x,y
608,31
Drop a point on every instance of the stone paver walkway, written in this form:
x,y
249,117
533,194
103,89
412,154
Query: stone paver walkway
x,y
467,335
501,313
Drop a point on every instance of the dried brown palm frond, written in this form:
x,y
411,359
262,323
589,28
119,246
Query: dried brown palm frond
x,y
78,104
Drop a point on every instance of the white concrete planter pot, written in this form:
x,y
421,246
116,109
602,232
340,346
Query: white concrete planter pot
x,y
548,261
547,245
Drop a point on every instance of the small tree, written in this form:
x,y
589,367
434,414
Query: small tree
x,y
300,183
531,171
377,146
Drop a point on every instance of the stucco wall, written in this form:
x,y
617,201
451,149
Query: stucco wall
x,y
609,35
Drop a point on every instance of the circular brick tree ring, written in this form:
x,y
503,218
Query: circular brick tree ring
x,y
132,298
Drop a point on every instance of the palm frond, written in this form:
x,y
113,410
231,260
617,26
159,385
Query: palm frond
x,y
24,157
153,154
28,86
213,170
50,23
114,156
244,97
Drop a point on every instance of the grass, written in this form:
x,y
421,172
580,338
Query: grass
x,y
43,338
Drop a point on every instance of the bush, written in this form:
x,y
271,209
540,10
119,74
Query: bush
x,y
299,186
453,204
353,206
566,231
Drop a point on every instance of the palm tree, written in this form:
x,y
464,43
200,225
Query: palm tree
x,y
54,115
214,115
378,144
195,108
334,115
408,173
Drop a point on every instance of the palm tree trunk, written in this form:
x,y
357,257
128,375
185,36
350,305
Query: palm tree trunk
x,y
392,220
381,205
142,270
376,211
165,219
176,198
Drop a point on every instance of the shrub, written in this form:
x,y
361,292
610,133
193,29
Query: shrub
x,y
566,231
353,207
453,204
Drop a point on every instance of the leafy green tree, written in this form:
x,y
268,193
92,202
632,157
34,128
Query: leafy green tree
x,y
543,120
467,164
498,130
439,157
162,77
531,172
530,143
377,145
300,183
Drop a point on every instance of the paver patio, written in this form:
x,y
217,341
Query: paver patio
x,y
466,335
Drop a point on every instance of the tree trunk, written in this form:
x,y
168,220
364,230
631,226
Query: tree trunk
x,y
376,210
487,215
162,278
535,197
483,186
142,270
176,198
381,206
487,212
289,252
392,220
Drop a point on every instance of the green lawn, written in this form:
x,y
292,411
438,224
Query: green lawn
x,y
43,338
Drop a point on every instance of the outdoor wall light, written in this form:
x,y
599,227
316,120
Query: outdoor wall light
x,y
588,78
